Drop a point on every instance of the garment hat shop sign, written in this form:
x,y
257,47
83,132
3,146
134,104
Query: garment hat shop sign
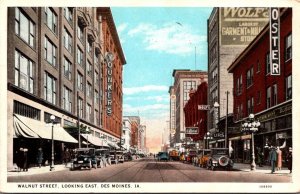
x,y
275,41
109,57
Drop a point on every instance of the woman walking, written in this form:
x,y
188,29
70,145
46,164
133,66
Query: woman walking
x,y
39,157
279,159
289,159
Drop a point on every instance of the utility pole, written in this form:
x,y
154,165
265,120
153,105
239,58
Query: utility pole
x,y
226,121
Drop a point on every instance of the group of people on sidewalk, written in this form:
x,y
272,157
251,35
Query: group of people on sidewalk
x,y
275,158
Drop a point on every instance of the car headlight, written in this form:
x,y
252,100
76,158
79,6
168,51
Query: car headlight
x,y
75,159
215,162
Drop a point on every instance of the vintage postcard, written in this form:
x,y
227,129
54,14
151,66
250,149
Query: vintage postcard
x,y
149,96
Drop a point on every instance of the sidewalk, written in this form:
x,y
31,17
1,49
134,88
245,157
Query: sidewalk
x,y
264,169
37,170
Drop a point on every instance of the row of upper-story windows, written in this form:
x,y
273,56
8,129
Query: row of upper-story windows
x,y
24,27
271,98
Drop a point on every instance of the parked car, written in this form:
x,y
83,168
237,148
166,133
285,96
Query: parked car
x,y
120,155
103,158
85,157
219,158
127,156
113,157
190,155
174,155
163,156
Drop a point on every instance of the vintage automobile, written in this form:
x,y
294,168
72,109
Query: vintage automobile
x,y
163,156
174,155
113,157
127,156
85,157
219,158
190,155
103,157
120,155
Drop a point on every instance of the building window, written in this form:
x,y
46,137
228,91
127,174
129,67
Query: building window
x,y
274,94
49,88
80,33
97,118
239,85
258,97
68,13
88,112
23,72
67,99
97,81
96,97
187,86
79,81
258,66
51,19
50,52
288,47
89,47
80,107
268,97
79,56
250,105
26,110
288,82
250,77
24,27
68,69
67,40
89,90
89,68
268,66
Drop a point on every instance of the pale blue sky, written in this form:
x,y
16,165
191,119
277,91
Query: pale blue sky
x,y
155,41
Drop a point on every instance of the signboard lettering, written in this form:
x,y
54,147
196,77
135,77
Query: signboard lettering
x,y
191,130
109,58
203,107
219,135
240,25
274,41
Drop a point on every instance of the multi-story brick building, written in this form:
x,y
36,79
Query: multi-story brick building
x,y
195,117
268,97
56,66
184,81
229,31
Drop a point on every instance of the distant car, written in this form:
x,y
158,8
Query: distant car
x,y
174,155
114,157
219,158
120,155
85,157
127,156
190,155
162,156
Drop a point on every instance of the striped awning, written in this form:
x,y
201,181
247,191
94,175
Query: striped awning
x,y
31,128
94,140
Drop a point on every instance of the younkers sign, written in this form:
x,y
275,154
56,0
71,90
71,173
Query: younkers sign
x,y
109,57
239,26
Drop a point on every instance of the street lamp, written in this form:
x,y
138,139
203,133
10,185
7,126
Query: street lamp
x,y
207,138
52,118
251,126
87,137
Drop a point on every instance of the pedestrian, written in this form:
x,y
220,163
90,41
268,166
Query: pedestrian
x,y
273,158
25,160
289,159
40,157
20,159
67,156
279,158
260,157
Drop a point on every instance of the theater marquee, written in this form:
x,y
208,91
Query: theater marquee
x,y
239,26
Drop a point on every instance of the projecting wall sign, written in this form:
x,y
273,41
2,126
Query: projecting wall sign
x,y
274,41
109,57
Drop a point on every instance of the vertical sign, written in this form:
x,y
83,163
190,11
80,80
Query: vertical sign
x,y
109,58
275,41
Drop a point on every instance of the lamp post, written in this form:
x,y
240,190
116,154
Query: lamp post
x,y
251,126
52,118
87,137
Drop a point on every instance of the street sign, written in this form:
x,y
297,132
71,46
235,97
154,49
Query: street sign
x,y
191,130
203,107
219,135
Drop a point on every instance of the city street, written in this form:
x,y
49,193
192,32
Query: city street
x,y
150,170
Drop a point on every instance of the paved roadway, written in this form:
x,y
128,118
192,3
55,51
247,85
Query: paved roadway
x,y
149,170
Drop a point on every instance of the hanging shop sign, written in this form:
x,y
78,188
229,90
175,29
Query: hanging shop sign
x,y
275,41
203,107
280,111
219,135
109,57
191,130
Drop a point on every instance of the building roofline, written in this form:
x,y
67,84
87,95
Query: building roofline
x,y
252,44
107,12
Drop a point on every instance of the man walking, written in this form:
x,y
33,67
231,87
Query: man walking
x,y
273,158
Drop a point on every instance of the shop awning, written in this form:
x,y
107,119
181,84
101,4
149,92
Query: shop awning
x,y
94,140
31,128
113,145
